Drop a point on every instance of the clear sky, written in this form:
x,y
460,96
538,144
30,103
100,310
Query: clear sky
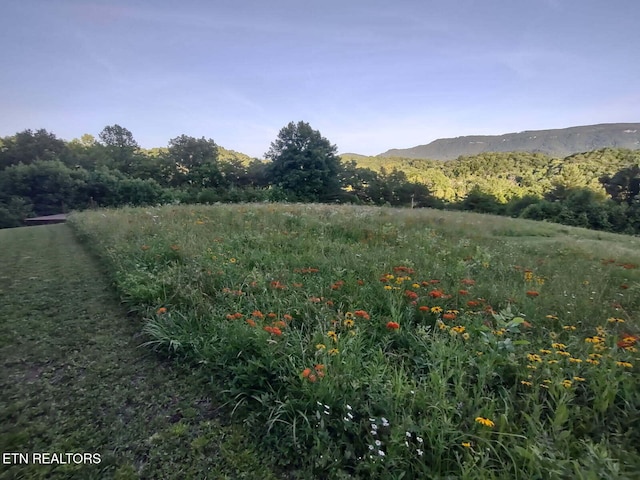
x,y
369,75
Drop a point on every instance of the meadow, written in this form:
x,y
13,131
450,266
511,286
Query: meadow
x,y
365,342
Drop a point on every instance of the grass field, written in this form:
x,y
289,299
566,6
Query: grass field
x,y
74,379
379,343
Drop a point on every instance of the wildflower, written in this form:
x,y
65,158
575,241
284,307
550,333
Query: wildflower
x,y
592,361
388,287
624,364
615,320
312,378
419,439
321,346
528,275
466,444
332,335
567,383
362,314
436,309
419,452
360,282
161,310
546,352
466,336
441,325
463,292
473,303
532,293
393,325
251,322
411,295
287,317
436,293
558,346
564,354
449,316
579,379
595,339
315,299
423,308
306,372
257,314
627,341
145,247
575,360
485,422
334,351
525,382
569,327
385,422
467,281
271,315
349,323
232,260
551,317
458,329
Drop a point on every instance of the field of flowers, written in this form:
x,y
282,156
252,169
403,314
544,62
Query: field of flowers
x,y
383,343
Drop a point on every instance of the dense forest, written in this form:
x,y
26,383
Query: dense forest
x,y
41,174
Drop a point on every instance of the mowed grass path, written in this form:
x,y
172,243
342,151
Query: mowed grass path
x,y
74,379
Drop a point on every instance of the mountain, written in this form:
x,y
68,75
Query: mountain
x,y
555,143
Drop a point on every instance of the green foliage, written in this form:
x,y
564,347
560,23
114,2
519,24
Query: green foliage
x,y
304,164
27,147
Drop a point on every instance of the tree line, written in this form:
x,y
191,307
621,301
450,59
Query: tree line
x,y
41,174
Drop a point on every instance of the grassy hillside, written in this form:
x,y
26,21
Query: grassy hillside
x,y
381,343
74,378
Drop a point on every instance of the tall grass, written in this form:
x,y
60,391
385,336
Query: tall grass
x,y
382,343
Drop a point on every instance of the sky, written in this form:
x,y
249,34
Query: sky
x,y
369,75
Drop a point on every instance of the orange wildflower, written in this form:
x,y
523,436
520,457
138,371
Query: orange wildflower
x,y
237,315
463,292
410,294
423,308
393,325
449,316
532,293
161,310
362,314
467,281
251,322
436,293
287,317
306,372
258,314
271,315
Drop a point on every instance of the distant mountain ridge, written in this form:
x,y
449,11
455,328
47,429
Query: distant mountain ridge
x,y
559,143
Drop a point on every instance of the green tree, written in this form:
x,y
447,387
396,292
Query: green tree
x,y
304,164
624,185
121,147
28,146
194,162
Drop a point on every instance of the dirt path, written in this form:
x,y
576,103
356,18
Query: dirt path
x,y
74,380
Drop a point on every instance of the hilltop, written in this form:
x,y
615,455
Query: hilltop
x,y
557,143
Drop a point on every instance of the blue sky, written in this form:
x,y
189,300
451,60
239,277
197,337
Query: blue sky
x,y
369,75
